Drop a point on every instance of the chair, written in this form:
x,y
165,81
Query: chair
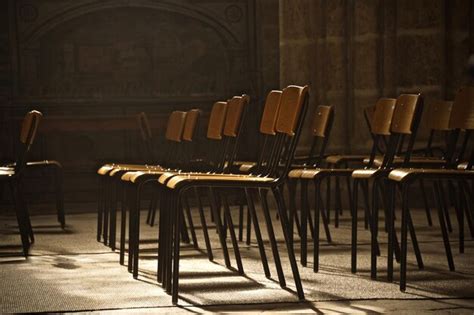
x,y
224,128
104,170
268,175
380,127
405,122
14,177
349,161
461,118
321,129
111,177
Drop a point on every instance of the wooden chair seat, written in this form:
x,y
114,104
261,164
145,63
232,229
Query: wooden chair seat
x,y
135,168
39,163
247,167
313,173
5,172
105,169
295,173
406,174
135,176
238,180
415,161
337,159
365,173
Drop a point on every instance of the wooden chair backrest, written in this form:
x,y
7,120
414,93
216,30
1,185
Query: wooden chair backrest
x,y
320,129
217,120
462,114
277,154
175,127
270,112
382,117
290,107
437,115
405,121
404,114
322,121
462,119
190,124
235,109
29,127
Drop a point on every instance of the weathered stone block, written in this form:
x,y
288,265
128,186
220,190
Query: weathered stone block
x,y
335,66
335,17
296,19
420,60
296,63
365,64
365,16
460,14
338,133
419,14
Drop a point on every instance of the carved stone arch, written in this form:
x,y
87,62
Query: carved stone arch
x,y
229,39
50,67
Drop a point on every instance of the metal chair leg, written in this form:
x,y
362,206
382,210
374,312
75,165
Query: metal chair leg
x,y
414,240
233,237
354,227
21,219
445,208
338,204
123,224
292,205
317,212
176,250
466,206
403,240
304,221
271,235
258,234
425,202
58,182
444,231
374,230
324,218
100,207
241,222
249,227
218,222
390,228
291,254
204,225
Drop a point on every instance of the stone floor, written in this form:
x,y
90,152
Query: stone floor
x,y
68,270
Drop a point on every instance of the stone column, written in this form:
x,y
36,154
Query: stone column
x,y
351,52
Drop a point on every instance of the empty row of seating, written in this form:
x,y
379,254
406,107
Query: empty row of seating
x,y
391,164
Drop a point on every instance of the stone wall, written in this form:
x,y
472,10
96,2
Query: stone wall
x,y
351,52
90,66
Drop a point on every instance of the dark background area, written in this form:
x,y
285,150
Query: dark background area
x,y
90,65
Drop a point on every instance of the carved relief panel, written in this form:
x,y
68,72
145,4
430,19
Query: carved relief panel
x,y
79,61
113,49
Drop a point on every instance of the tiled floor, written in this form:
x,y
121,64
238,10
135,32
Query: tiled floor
x,y
68,270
